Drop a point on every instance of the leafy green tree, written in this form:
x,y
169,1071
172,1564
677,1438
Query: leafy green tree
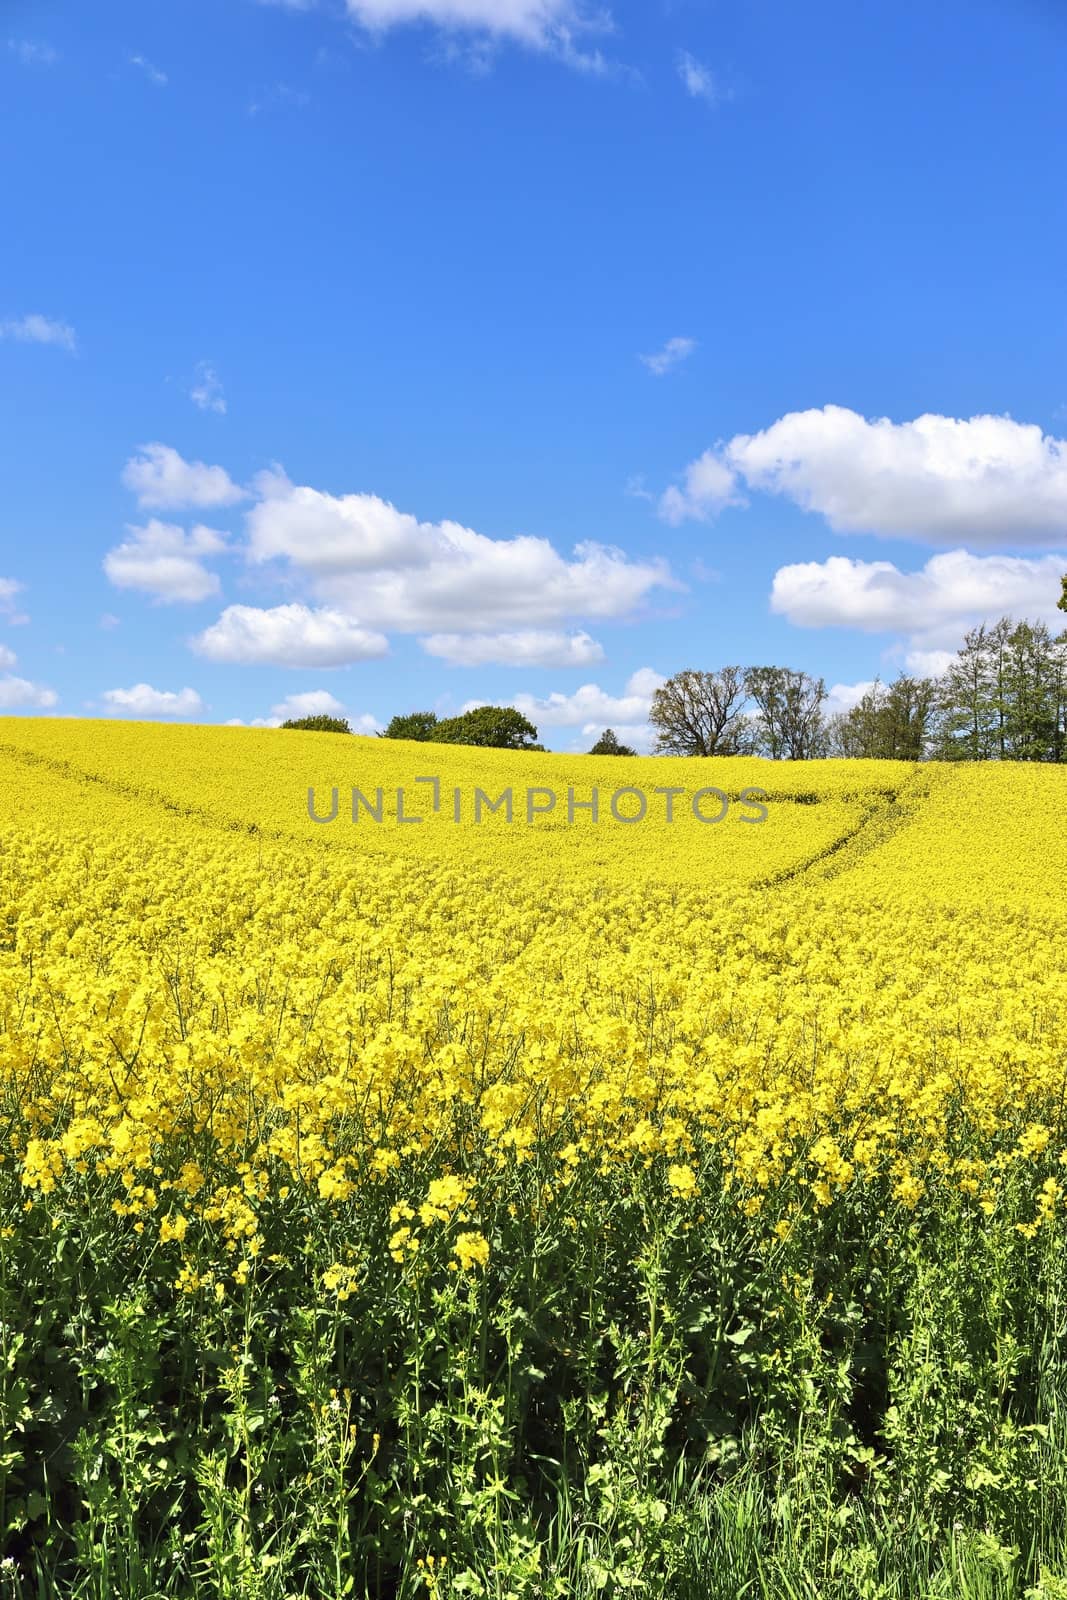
x,y
1062,601
967,714
608,745
495,727
318,724
890,722
415,725
1004,698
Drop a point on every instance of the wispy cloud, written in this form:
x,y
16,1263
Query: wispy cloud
x,y
635,487
9,588
674,351
280,94
528,647
152,73
33,53
471,30
35,329
207,389
698,79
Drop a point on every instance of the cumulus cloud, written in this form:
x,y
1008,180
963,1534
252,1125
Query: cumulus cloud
x,y
674,351
311,703
160,478
591,704
19,693
35,329
164,561
390,570
709,486
144,701
640,736
526,648
929,663
843,696
939,480
7,658
288,636
933,605
207,390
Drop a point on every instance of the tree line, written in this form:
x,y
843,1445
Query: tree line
x,y
1003,698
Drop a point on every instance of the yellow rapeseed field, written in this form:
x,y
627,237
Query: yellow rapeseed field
x,y
885,949
233,1037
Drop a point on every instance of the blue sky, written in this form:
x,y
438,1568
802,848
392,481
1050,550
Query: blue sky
x,y
409,353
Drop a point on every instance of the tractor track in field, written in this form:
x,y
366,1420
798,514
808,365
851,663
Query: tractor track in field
x,y
877,823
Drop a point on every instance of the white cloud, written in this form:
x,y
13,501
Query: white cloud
x,y
709,486
528,648
537,23
159,477
392,571
9,588
207,390
590,704
288,636
7,658
929,663
18,692
674,351
144,701
843,696
933,605
152,73
940,480
108,619
35,329
163,560
640,736
315,702
33,53
698,80
311,703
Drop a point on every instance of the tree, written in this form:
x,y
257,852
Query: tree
x,y
967,714
415,725
318,724
789,722
701,714
496,727
907,715
608,745
1004,697
888,723
1062,601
